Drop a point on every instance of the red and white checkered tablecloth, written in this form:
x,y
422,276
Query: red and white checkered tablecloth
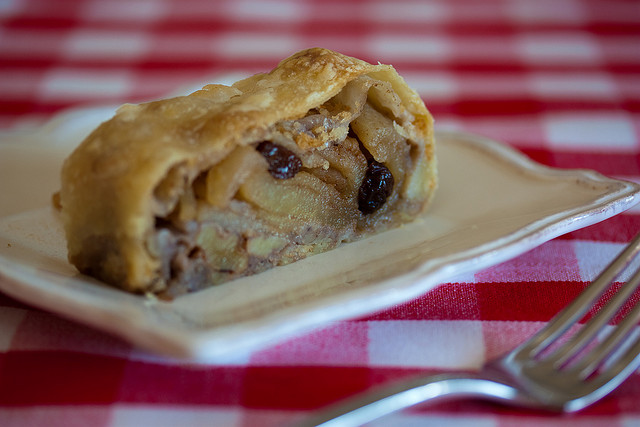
x,y
557,79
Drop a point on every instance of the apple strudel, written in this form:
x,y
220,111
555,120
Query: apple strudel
x,y
179,194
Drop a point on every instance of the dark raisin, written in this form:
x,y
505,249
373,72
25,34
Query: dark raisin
x,y
283,163
376,187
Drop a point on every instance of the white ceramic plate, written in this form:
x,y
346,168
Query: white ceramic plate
x,y
493,204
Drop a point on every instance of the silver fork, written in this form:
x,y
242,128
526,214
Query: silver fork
x,y
549,371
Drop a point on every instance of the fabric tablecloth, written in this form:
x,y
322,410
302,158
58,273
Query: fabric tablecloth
x,y
558,80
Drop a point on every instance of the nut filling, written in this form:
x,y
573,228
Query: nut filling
x,y
307,186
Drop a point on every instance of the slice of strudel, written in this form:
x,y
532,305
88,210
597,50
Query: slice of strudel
x,y
180,194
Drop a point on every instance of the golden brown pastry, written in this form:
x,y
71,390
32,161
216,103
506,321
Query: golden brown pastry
x,y
180,194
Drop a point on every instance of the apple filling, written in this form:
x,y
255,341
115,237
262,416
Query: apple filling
x,y
339,173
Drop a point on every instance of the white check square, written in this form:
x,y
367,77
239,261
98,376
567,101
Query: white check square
x,y
268,10
70,84
390,47
101,44
426,343
125,10
248,45
614,132
432,85
407,11
559,48
562,86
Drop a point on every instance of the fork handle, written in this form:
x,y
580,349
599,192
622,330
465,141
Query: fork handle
x,y
372,405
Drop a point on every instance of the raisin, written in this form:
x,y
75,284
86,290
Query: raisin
x,y
376,187
283,163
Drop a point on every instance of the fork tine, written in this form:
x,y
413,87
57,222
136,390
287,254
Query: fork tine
x,y
592,328
618,371
590,362
579,307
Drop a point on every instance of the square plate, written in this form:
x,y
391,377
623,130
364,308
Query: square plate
x,y
493,204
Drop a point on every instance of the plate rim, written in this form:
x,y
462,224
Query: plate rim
x,y
218,342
